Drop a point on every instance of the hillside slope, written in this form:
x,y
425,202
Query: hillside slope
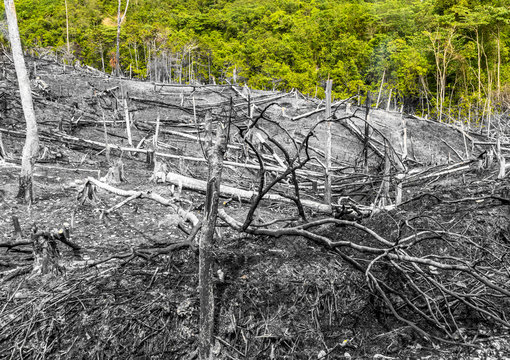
x,y
126,295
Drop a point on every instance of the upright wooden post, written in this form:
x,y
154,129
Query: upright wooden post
x,y
194,110
156,133
366,138
107,145
128,121
501,160
404,138
385,197
249,105
327,183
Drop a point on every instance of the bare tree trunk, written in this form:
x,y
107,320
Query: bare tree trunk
x,y
67,29
389,100
380,90
488,102
119,22
156,133
479,58
128,120
31,148
501,160
135,46
443,54
499,66
149,63
327,182
367,129
117,51
189,66
3,153
102,58
206,284
385,196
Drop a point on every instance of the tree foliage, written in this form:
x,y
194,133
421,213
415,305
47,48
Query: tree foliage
x,y
288,44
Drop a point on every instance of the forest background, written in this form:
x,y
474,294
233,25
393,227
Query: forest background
x,y
439,58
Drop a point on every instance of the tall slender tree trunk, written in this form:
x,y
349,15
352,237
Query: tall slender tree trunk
x,y
31,148
389,100
205,271
135,46
380,90
327,180
67,29
119,22
149,63
479,58
499,65
189,66
117,51
102,57
443,54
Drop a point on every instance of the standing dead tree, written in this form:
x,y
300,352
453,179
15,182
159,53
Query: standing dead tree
x,y
206,243
327,182
31,148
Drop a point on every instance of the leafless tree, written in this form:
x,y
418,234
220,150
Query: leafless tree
x,y
31,148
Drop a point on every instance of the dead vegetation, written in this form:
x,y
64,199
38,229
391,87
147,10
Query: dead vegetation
x,y
410,259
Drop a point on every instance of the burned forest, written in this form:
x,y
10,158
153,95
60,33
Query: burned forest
x,y
186,221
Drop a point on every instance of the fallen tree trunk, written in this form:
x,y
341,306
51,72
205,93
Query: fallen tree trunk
x,y
246,195
413,267
11,244
313,112
255,102
188,216
368,140
76,142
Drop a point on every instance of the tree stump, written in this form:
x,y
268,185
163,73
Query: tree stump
x,y
46,254
88,194
160,171
115,173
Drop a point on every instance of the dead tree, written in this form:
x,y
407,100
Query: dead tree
x,y
206,284
419,289
31,148
327,182
428,292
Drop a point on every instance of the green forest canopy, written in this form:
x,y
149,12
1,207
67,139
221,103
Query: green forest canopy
x,y
432,54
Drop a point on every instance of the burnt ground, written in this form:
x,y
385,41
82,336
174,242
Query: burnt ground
x,y
281,297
